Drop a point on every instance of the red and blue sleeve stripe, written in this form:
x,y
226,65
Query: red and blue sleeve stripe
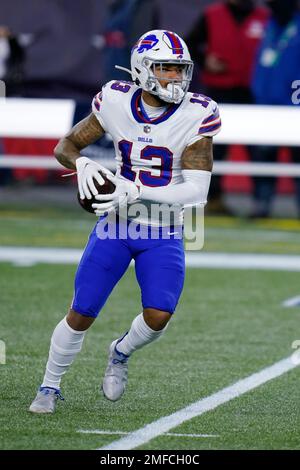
x,y
97,101
210,124
211,118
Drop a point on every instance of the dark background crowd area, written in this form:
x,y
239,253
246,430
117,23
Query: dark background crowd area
x,y
67,42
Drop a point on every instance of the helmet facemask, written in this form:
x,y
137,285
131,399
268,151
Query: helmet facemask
x,y
152,74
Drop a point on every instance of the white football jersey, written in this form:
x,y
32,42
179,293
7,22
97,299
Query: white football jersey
x,y
148,151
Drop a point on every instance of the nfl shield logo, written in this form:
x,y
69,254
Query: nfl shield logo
x,y
147,129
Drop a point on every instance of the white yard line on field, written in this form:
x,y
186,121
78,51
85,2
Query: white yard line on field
x,y
122,433
292,302
163,425
26,256
243,261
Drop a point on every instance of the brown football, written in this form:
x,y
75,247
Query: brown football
x,y
107,188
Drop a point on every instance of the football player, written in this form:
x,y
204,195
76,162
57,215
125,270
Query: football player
x,y
163,142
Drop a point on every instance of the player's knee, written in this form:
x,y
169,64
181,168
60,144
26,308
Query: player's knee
x,y
79,322
156,319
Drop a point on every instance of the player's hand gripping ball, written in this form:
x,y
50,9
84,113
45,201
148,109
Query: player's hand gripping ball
x,y
93,179
107,187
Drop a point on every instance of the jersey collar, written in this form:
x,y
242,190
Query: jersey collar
x,y
140,115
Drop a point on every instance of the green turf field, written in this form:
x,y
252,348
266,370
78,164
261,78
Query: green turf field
x,y
68,227
229,324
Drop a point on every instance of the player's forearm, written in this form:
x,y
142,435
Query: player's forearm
x,y
80,136
67,153
196,162
192,191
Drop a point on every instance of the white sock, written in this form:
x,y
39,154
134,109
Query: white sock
x,y
138,336
65,345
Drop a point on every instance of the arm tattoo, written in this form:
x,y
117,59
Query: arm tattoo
x,y
81,135
198,156
85,132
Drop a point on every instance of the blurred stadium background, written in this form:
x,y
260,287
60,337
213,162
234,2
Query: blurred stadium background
x,y
64,64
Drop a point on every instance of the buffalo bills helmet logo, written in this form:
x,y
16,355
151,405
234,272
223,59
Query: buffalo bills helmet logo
x,y
148,42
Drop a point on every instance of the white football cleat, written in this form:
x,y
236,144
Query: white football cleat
x,y
115,378
45,400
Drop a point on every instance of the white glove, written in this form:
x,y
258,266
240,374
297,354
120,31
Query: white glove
x,y
105,208
126,192
87,169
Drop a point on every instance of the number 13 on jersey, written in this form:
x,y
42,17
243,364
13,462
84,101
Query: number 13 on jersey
x,y
148,153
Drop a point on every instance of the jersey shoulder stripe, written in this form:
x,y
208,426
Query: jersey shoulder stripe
x,y
97,101
211,123
211,128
